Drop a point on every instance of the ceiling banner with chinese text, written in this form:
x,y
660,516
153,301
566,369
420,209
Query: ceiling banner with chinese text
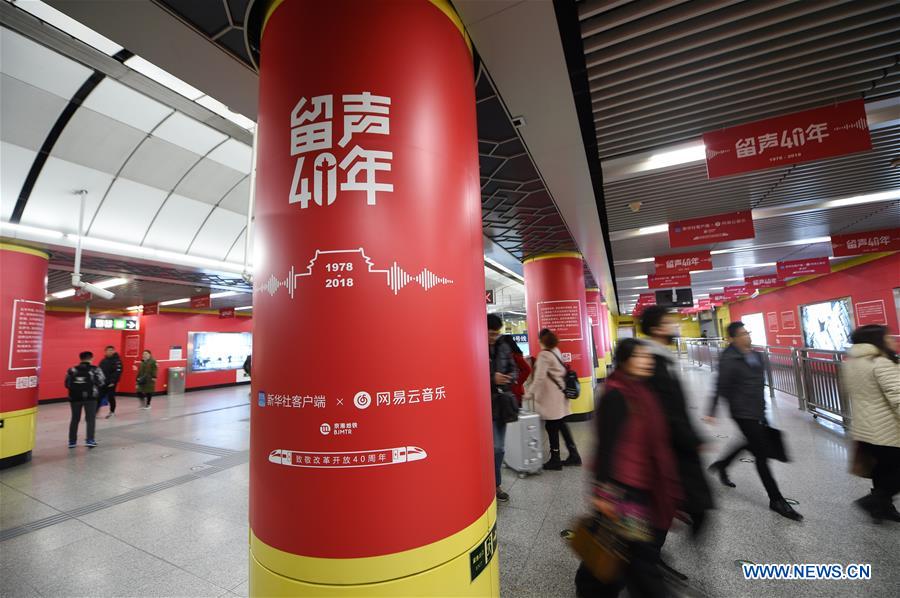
x,y
711,229
805,267
668,281
824,132
683,263
873,241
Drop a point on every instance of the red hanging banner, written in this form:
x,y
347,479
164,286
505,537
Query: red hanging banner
x,y
764,282
668,281
683,263
824,132
873,241
717,299
201,301
704,304
226,312
791,268
646,299
738,291
151,309
711,229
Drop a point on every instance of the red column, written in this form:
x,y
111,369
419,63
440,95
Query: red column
x,y
22,292
554,288
596,316
371,448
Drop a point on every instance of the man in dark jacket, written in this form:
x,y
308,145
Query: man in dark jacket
x,y
662,327
111,366
503,373
742,381
84,382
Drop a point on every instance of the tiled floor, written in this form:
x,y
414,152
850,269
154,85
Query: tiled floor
x,y
160,509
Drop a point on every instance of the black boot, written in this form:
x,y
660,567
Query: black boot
x,y
782,507
574,458
891,513
719,469
554,464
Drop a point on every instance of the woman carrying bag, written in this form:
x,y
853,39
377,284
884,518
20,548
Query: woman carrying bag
x,y
636,486
546,388
146,379
871,379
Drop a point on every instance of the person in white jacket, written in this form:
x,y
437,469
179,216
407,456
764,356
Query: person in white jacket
x,y
871,379
546,387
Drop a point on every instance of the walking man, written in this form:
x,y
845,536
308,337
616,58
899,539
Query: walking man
x,y
742,381
84,382
503,373
111,366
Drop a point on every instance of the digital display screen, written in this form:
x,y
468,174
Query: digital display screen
x,y
675,298
827,325
215,351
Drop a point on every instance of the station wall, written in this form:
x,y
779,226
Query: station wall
x,y
65,337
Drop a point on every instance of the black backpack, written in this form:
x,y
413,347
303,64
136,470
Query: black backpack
x,y
81,383
571,389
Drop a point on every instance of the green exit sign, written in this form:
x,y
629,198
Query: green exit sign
x,y
113,323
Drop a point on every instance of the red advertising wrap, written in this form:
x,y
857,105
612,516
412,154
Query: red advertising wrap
x,y
21,335
596,315
554,289
825,132
711,229
873,241
683,263
764,282
738,291
367,174
805,267
668,281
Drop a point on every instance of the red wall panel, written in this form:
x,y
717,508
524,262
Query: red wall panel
x,y
65,337
872,281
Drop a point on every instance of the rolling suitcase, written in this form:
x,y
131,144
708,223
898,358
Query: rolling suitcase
x,y
524,444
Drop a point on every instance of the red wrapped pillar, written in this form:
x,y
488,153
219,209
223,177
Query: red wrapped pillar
x,y
23,289
597,316
555,293
367,230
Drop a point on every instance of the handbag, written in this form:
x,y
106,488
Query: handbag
x,y
775,448
505,407
862,463
603,553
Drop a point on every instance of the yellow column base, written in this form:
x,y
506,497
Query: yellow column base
x,y
584,404
17,433
345,577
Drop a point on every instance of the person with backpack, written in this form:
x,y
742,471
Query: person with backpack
x,y
84,382
111,366
146,379
548,388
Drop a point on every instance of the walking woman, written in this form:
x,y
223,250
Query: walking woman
x,y
546,388
636,477
871,378
146,379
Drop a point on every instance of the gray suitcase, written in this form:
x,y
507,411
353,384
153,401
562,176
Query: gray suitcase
x,y
524,444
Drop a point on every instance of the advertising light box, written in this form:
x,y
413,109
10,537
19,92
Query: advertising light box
x,y
216,351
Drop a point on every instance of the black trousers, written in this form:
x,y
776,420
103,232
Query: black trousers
x,y
109,393
145,396
642,577
90,417
554,427
754,432
886,473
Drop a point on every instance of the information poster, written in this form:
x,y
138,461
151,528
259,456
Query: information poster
x,y
871,312
563,317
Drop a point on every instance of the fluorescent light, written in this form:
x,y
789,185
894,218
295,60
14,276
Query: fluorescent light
x,y
861,199
63,294
175,301
134,308
693,153
652,230
500,266
152,71
225,112
641,277
65,23
222,294
110,282
243,308
14,229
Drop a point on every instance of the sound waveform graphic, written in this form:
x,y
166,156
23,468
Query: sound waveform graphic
x,y
396,278
860,123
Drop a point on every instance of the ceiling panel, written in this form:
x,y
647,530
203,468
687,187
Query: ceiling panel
x,y
176,224
110,141
27,113
126,105
190,134
53,203
15,162
237,200
238,248
233,154
127,211
41,67
208,181
159,163
215,238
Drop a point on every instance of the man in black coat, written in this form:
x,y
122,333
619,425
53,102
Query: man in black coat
x,y
662,327
742,381
111,366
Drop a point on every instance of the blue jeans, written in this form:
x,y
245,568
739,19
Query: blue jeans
x,y
499,448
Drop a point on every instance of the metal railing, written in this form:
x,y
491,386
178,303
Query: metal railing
x,y
811,375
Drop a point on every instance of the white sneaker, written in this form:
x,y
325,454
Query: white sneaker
x,y
145,407
109,415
